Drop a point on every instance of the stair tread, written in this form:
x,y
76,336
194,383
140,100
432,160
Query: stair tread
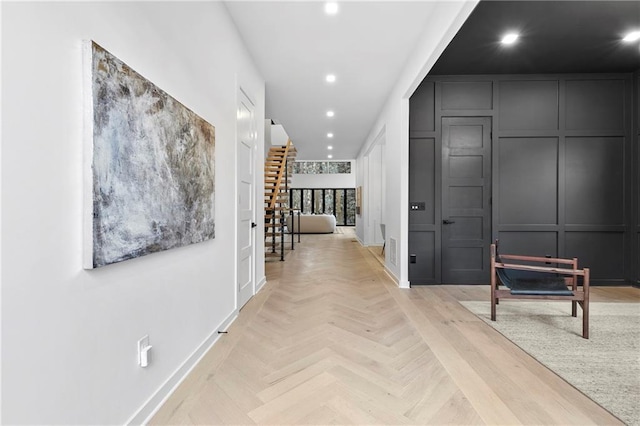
x,y
277,177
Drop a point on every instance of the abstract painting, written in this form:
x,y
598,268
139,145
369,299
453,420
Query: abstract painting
x,y
149,175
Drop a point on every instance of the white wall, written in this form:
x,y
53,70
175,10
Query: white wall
x,y
342,180
372,176
446,20
374,195
278,135
361,172
69,335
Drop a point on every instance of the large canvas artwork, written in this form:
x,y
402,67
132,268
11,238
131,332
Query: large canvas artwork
x,y
150,165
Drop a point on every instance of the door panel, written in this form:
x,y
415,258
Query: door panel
x,y
246,199
466,197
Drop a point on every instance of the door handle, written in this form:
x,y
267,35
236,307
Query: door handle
x,y
448,222
253,224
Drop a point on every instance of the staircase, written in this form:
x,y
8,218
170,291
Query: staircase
x,y
277,177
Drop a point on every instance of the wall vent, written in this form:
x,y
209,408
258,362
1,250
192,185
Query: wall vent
x,y
393,251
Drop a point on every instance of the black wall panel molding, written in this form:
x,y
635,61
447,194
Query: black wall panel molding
x,y
636,167
466,95
519,110
564,173
596,104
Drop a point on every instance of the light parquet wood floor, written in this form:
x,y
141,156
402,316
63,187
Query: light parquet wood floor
x,y
332,340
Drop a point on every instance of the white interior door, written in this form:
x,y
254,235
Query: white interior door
x,y
246,198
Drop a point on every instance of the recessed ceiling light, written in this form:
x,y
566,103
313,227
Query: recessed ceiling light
x,y
509,38
329,147
331,8
632,36
330,78
329,135
329,156
330,114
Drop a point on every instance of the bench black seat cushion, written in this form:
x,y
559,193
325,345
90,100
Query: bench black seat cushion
x,y
534,283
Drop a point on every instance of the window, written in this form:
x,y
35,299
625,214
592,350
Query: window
x,y
318,201
322,167
339,202
307,203
296,200
340,216
328,201
351,207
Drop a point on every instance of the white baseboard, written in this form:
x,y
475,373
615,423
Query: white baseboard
x,y
401,284
153,404
261,284
391,275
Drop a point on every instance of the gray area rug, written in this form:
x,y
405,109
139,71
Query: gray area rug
x,y
606,367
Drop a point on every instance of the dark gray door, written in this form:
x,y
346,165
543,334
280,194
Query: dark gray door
x,y
466,199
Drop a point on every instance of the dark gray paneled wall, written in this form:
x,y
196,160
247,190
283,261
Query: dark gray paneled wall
x,y
636,132
565,173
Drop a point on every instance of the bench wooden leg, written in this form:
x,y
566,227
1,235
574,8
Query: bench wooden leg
x,y
585,304
585,320
493,308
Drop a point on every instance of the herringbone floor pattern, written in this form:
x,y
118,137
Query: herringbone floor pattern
x,y
332,340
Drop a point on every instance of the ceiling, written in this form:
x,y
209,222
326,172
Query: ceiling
x,y
555,37
295,44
